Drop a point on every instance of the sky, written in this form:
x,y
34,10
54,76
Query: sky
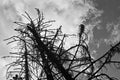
x,y
101,19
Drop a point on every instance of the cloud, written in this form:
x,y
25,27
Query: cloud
x,y
114,28
68,13
8,14
3,69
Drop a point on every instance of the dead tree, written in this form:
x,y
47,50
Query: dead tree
x,y
42,56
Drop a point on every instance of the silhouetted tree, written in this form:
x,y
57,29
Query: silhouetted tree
x,y
42,56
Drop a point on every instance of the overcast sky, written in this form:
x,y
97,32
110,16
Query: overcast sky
x,y
101,17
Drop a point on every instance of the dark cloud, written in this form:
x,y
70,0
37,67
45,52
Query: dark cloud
x,y
111,10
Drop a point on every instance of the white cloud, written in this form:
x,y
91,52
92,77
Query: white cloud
x,y
67,13
2,69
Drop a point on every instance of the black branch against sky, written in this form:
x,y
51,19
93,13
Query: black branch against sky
x,y
41,54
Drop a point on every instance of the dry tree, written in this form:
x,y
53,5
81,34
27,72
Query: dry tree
x,y
41,54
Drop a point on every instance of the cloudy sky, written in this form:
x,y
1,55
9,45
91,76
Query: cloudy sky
x,y
101,17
